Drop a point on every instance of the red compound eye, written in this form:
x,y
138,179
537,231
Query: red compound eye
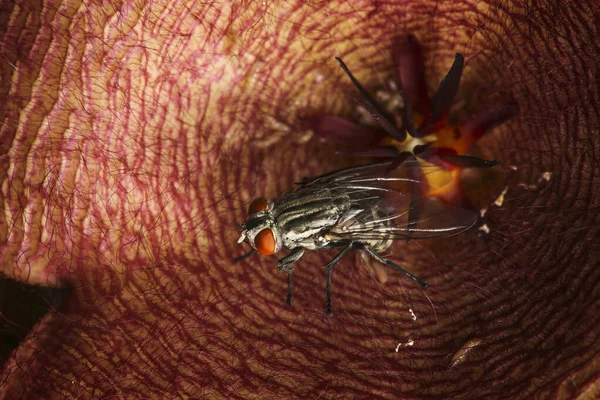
x,y
265,242
259,204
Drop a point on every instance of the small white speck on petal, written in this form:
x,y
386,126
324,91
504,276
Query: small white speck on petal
x,y
462,353
414,317
409,343
500,199
544,177
547,176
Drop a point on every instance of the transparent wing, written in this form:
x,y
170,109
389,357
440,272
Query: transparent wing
x,y
389,181
434,219
390,201
374,170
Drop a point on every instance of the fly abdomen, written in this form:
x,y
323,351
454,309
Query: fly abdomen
x,y
380,244
366,224
383,242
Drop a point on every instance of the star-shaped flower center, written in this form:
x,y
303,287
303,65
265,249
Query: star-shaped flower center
x,y
412,122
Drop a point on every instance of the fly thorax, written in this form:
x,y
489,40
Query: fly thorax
x,y
303,223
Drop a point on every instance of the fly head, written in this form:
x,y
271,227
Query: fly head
x,y
259,229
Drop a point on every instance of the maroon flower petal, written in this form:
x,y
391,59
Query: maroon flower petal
x,y
450,159
469,162
489,118
342,131
411,73
447,90
429,126
125,169
409,122
434,155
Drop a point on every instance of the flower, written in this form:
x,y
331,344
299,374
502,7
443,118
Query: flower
x,y
424,130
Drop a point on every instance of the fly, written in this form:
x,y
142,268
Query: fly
x,y
366,207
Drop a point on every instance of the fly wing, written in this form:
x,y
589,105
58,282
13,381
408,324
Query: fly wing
x,y
390,202
374,170
435,220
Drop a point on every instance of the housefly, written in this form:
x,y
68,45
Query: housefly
x,y
366,207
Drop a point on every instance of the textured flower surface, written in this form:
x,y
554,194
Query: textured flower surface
x,y
134,134
418,124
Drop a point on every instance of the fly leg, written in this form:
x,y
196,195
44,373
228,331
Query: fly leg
x,y
285,264
329,268
238,258
395,266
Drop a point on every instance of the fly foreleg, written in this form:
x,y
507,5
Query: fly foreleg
x,y
285,264
238,258
395,266
329,268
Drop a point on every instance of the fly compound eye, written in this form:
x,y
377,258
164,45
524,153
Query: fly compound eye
x,y
258,204
265,242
